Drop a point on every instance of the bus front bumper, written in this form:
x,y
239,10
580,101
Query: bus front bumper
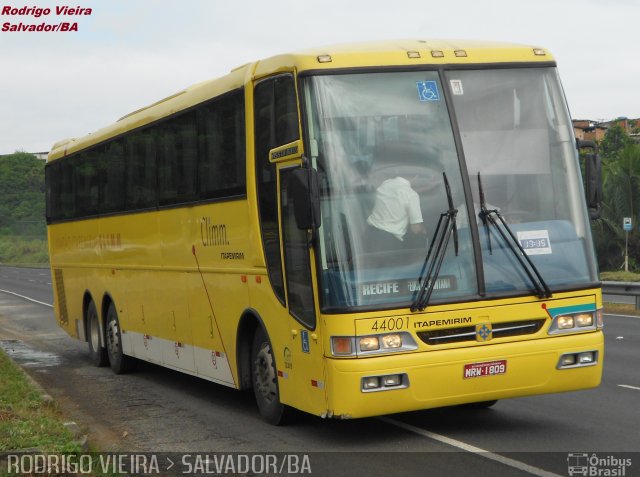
x,y
457,376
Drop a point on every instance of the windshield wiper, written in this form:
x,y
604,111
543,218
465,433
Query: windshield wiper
x,y
488,217
445,229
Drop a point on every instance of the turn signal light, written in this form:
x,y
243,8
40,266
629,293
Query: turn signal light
x,y
342,345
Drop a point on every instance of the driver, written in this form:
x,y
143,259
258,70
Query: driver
x,y
396,217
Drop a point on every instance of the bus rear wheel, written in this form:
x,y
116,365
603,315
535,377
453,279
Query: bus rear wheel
x,y
120,363
264,378
97,352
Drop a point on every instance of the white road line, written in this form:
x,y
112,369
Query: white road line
x,y
629,387
27,298
469,448
621,316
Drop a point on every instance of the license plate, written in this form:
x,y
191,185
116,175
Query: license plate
x,y
490,368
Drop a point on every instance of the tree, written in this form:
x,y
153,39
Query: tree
x,y
22,201
621,190
614,141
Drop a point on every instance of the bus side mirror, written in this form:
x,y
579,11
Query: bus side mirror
x,y
304,192
592,177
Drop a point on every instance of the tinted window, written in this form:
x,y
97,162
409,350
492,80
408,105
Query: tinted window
x,y
276,123
67,191
87,197
296,259
141,170
199,154
221,169
111,168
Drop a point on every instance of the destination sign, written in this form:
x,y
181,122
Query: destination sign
x,y
403,287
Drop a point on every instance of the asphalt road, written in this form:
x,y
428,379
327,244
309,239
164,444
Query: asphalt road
x,y
158,410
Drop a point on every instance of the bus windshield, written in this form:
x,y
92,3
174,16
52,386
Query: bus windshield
x,y
382,144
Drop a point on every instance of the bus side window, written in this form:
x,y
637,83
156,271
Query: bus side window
x,y
141,171
296,259
221,138
276,123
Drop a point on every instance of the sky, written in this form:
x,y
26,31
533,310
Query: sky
x,y
130,53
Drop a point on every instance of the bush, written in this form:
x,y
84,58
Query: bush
x,y
16,250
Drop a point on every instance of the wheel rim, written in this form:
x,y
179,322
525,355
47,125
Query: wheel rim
x,y
94,332
113,342
265,376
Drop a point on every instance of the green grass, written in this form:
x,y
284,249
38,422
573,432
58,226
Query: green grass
x,y
620,276
26,421
621,309
16,250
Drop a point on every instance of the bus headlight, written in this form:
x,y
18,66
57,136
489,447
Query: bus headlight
x,y
391,341
584,319
369,343
386,343
565,322
372,344
573,322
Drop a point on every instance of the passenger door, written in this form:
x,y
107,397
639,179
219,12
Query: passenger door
x,y
299,355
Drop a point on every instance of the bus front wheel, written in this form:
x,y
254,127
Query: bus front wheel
x,y
97,353
120,363
264,378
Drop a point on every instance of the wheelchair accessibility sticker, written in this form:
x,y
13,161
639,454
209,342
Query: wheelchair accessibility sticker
x,y
428,91
304,335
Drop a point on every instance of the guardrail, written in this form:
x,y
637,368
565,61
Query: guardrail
x,y
623,288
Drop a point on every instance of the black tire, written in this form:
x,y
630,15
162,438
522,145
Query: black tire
x,y
264,378
97,352
120,363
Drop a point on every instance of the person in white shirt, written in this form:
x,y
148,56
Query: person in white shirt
x,y
396,213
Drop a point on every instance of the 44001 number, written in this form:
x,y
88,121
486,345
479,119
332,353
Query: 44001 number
x,y
391,324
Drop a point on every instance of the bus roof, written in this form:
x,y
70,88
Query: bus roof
x,y
404,53
355,55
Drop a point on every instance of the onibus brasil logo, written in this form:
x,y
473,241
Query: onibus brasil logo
x,y
593,465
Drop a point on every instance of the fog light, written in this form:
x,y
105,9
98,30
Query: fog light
x,y
567,360
565,322
391,341
584,319
372,382
586,358
392,380
369,343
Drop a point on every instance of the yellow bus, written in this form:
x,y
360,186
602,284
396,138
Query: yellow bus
x,y
239,231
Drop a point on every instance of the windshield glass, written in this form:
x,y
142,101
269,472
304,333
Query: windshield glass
x,y
381,143
517,134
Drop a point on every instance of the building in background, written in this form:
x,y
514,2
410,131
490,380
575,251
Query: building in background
x,y
589,130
